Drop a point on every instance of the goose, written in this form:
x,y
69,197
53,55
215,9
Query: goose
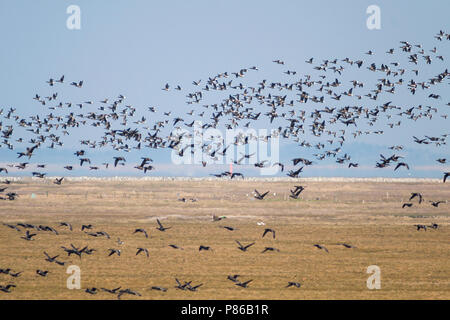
x,y
421,226
128,291
42,273
112,291
114,251
139,250
416,194
267,230
446,174
53,259
11,226
436,203
243,284
160,226
7,288
244,248
260,196
321,247
194,288
233,278
348,246
206,248
58,181
28,236
91,290
270,249
293,284
141,230
66,224
182,286
158,288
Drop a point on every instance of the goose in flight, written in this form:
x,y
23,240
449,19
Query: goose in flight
x,y
15,275
114,251
243,284
175,246
159,288
321,247
86,226
91,290
216,218
66,224
293,284
53,259
270,249
436,203
206,248
233,278
112,291
409,205
7,288
242,247
128,291
11,226
348,246
78,85
58,181
182,286
42,273
296,193
446,175
267,230
416,194
194,288
161,227
139,250
260,196
141,230
421,226
28,236
229,228
402,164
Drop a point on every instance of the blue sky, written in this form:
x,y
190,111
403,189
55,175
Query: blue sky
x,y
135,47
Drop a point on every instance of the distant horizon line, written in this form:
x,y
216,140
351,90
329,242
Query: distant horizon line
x,y
184,178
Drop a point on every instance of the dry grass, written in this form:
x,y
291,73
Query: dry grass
x,y
414,265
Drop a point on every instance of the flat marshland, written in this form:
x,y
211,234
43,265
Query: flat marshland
x,y
366,214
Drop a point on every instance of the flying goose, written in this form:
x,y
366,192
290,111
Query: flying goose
x,y
244,248
260,196
321,247
28,236
243,284
139,250
42,273
7,288
141,230
293,284
267,230
160,226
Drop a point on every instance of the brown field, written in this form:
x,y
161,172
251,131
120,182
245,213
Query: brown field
x,y
414,264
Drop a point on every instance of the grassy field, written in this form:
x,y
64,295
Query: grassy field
x,y
369,215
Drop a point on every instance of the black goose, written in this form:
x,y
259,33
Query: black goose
x,y
141,230
242,247
161,227
267,230
139,250
260,196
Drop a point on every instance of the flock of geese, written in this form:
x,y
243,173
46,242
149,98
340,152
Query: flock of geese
x,y
299,108
87,251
